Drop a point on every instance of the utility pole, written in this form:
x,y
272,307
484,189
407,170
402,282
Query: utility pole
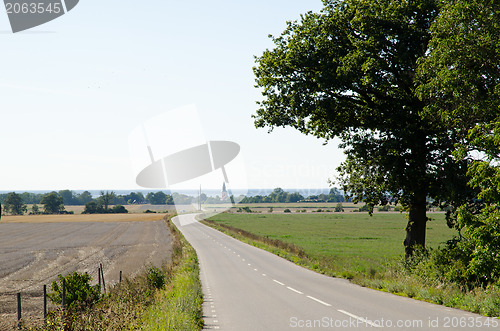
x,y
199,200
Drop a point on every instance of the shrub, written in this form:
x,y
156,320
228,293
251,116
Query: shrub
x,y
384,208
92,208
247,209
339,208
79,293
287,211
156,278
119,209
364,208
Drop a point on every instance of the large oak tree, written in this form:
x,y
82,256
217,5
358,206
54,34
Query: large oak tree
x,y
350,72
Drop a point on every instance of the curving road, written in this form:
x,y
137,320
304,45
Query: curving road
x,y
246,288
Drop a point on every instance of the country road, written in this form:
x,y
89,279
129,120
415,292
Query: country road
x,y
246,288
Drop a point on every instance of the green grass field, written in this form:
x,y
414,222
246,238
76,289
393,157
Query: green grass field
x,y
367,250
342,242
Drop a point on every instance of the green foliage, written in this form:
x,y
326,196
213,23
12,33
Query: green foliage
x,y
179,305
52,203
460,81
35,210
156,278
119,209
287,210
365,208
384,208
14,205
158,198
460,75
339,208
245,209
79,293
68,197
105,199
94,207
280,196
350,72
134,198
478,251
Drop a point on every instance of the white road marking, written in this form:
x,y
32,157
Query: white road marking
x,y
264,275
318,300
277,281
294,290
359,318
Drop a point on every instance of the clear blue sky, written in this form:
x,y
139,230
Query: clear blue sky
x,y
72,90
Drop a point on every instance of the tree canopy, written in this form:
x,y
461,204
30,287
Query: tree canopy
x,y
158,198
52,203
14,204
350,71
460,80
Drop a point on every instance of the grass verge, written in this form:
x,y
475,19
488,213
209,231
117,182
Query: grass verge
x,y
179,306
366,251
144,303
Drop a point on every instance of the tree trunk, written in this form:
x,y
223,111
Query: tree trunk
x,y
417,223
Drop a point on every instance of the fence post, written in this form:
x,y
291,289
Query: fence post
x,y
120,276
103,282
44,302
99,276
19,306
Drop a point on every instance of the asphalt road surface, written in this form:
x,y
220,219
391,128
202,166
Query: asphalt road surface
x,y
246,288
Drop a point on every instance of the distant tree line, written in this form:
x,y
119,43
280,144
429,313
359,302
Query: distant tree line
x,y
110,202
14,203
278,195
71,198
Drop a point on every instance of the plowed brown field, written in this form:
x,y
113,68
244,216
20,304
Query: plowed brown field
x,y
35,249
